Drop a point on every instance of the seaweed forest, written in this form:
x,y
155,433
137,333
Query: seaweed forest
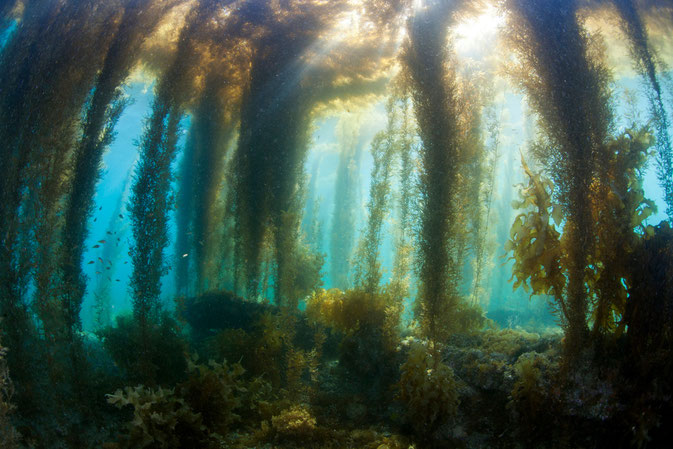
x,y
376,224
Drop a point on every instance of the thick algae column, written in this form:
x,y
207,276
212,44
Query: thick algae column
x,y
644,59
201,173
433,90
294,69
150,199
138,20
569,90
272,145
48,69
273,141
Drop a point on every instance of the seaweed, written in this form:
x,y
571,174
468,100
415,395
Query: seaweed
x,y
272,143
567,84
201,169
400,281
433,90
46,77
275,116
645,62
151,193
384,147
342,236
297,365
428,390
102,113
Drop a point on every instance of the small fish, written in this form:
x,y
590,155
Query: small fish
x,y
96,246
109,233
100,208
98,272
126,262
101,260
107,268
101,241
185,255
95,219
117,280
90,262
121,216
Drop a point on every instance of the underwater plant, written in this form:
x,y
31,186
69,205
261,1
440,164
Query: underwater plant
x,y
384,147
294,424
151,191
44,83
433,90
400,279
201,169
481,230
275,117
535,241
567,85
368,327
618,208
246,84
103,109
272,141
428,390
311,223
342,237
470,203
166,360
645,62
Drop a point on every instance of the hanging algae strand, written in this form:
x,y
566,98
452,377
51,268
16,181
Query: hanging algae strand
x,y
570,92
433,91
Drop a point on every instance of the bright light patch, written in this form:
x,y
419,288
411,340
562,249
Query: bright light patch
x,y
474,35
